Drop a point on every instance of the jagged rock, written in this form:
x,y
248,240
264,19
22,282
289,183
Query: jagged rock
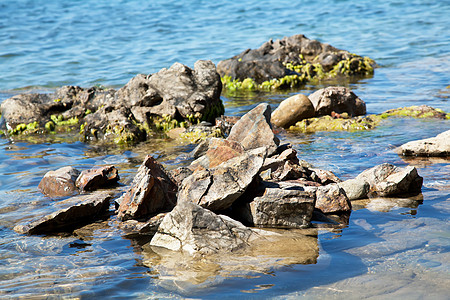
x,y
180,174
196,230
217,188
149,227
331,198
60,182
355,189
324,177
387,179
291,208
435,146
337,99
71,213
93,179
152,191
294,55
254,130
292,110
225,123
218,151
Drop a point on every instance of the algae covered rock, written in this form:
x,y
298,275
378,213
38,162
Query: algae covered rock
x,y
289,62
422,111
328,123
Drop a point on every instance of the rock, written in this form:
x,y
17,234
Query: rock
x,y
421,112
355,189
331,199
338,100
328,123
71,213
254,130
225,123
435,146
387,179
149,227
292,56
60,182
195,230
292,110
283,208
180,174
152,191
324,177
93,179
217,188
218,151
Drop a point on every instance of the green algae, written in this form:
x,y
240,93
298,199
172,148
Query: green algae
x,y
420,112
24,128
49,126
327,123
197,135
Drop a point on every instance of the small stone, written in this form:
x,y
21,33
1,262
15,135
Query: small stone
x,y
93,179
60,182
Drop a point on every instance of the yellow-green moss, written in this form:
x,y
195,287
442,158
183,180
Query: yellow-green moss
x,y
49,126
423,111
197,135
327,123
24,128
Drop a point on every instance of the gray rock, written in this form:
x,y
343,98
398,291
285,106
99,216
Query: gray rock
x,y
148,227
338,100
152,191
355,189
331,199
217,188
292,110
71,213
195,230
60,182
254,130
283,208
435,146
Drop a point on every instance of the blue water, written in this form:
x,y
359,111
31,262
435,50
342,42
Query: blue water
x,y
401,252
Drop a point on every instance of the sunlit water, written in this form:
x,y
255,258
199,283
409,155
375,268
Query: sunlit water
x,y
392,248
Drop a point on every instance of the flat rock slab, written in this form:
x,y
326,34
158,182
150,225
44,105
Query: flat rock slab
x,y
435,146
217,188
60,182
71,213
152,191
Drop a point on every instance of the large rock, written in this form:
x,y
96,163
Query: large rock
x,y
355,189
195,230
68,214
60,182
152,191
217,188
254,130
292,110
387,179
291,208
337,99
332,199
434,146
95,178
276,59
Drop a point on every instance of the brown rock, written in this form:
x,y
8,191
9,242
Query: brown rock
x,y
96,178
325,177
60,182
219,151
331,198
337,99
152,191
254,130
292,110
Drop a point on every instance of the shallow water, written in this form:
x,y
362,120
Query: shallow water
x,y
392,248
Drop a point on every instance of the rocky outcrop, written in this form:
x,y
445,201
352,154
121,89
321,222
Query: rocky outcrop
x,y
95,178
60,182
151,192
337,99
292,110
164,99
434,146
254,130
288,62
68,214
217,188
332,199
196,230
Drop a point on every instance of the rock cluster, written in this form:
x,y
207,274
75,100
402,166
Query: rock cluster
x,y
161,100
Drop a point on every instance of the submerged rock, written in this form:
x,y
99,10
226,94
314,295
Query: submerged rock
x,y
337,99
60,182
422,111
254,130
289,62
435,146
292,110
152,191
93,179
71,213
161,100
328,123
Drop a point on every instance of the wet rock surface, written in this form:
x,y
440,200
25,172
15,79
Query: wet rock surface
x,y
95,178
292,110
337,99
434,146
68,214
60,182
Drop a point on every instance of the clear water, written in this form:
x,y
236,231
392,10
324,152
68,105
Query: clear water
x,y
395,248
